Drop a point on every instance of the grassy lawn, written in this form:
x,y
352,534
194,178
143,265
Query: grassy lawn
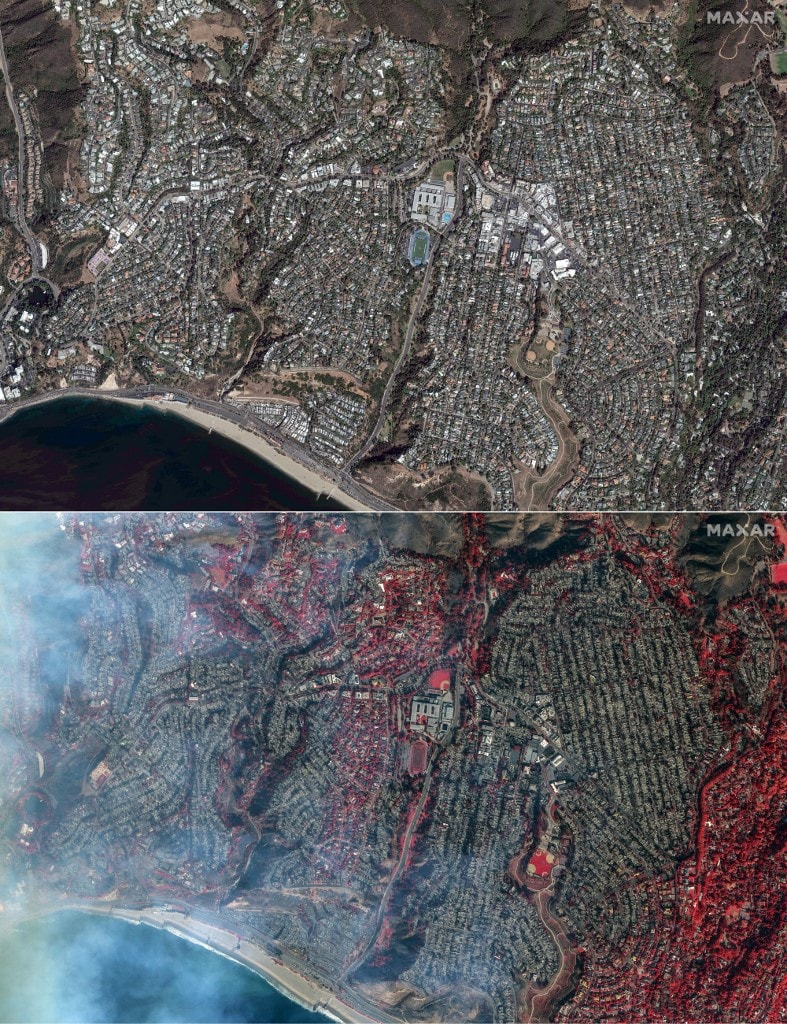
x,y
420,245
440,168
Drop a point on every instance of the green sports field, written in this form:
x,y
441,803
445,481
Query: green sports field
x,y
440,168
419,246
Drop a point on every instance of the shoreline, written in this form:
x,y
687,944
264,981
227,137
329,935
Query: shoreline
x,y
286,981
256,444
216,417
309,994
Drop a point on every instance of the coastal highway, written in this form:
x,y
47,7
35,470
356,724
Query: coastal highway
x,y
337,484
286,973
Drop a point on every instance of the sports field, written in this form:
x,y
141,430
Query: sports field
x,y
440,168
419,247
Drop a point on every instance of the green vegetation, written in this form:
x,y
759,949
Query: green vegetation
x,y
279,259
377,388
419,245
8,140
66,265
394,84
527,21
442,167
41,64
145,114
460,113
330,381
244,330
692,35
123,136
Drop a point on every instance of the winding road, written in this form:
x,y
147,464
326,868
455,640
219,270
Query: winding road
x,y
534,491
37,251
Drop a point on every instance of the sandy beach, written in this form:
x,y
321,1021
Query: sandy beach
x,y
289,982
211,420
284,463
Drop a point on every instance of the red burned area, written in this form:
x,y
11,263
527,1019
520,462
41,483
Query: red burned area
x,y
416,763
440,679
779,569
538,783
540,863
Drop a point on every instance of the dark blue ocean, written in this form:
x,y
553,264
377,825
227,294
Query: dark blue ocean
x,y
78,968
88,453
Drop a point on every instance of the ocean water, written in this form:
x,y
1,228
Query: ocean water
x,y
89,453
72,967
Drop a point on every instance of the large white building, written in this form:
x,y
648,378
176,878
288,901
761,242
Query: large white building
x,y
433,203
432,713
